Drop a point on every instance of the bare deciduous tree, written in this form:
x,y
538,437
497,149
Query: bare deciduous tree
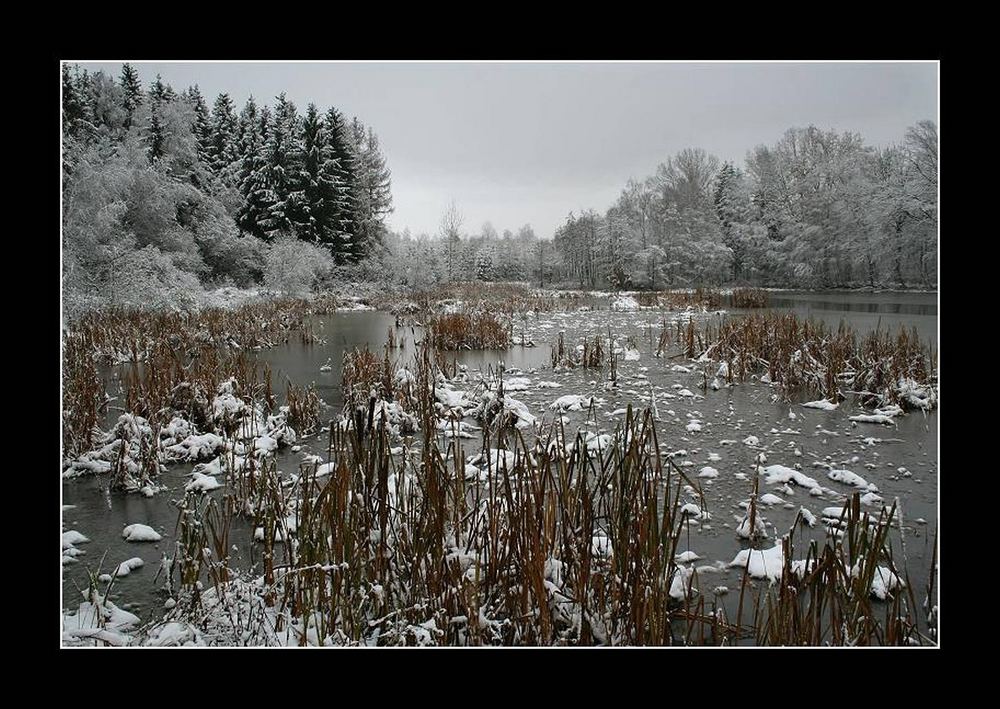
x,y
451,225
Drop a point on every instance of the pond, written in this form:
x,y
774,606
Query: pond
x,y
901,460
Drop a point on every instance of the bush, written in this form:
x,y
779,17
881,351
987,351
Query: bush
x,y
294,267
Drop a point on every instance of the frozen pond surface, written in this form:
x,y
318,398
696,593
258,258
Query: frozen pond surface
x,y
707,429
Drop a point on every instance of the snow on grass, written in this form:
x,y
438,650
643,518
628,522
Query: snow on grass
x,y
743,529
451,398
174,634
195,447
496,459
680,586
822,404
572,402
775,474
127,567
140,533
202,483
853,479
71,538
763,563
624,303
601,546
100,622
264,445
694,511
884,581
517,384
870,498
915,395
874,418
518,410
708,472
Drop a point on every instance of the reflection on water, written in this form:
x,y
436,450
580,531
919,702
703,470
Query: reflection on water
x,y
864,311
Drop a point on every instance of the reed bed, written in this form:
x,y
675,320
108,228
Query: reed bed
x,y
364,374
591,355
699,298
826,598
554,542
880,368
750,298
470,331
555,546
171,362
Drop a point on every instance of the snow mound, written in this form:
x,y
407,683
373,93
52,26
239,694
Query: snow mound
x,y
202,483
821,404
780,474
572,402
624,303
140,533
852,479
126,567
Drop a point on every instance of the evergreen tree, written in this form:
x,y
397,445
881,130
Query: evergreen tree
x,y
73,104
106,105
132,88
258,198
202,128
155,137
283,173
318,181
222,149
160,93
372,193
342,206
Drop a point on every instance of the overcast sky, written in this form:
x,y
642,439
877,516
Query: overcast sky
x,y
528,143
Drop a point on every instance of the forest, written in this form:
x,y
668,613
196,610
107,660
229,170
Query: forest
x,y
166,199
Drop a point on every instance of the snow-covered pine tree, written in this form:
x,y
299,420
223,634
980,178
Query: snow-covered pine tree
x,y
155,137
160,93
731,211
484,264
342,207
74,104
373,196
132,88
315,188
223,152
258,198
288,211
202,127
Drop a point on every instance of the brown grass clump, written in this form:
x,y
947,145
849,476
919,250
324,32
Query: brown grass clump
x,y
807,354
469,331
750,298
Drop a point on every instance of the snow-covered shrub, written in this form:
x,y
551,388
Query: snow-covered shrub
x,y
293,267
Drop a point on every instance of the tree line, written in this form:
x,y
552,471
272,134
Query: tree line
x,y
817,209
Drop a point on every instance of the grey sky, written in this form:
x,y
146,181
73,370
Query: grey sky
x,y
527,142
